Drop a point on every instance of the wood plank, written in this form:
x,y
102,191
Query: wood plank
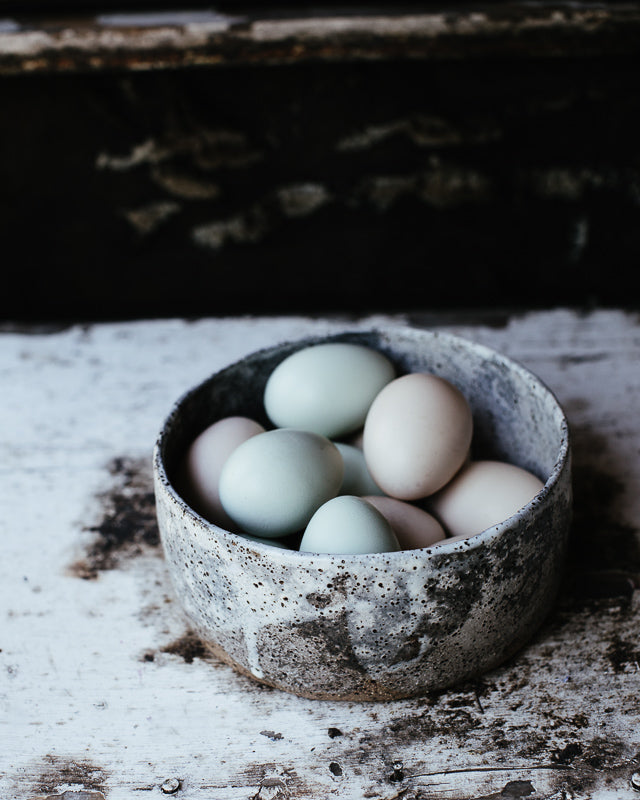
x,y
103,692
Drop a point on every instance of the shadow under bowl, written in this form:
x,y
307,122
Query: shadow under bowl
x,y
386,625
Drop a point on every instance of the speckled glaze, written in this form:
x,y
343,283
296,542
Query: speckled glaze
x,y
388,625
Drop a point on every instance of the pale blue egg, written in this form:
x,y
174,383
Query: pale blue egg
x,y
348,525
326,388
272,484
357,478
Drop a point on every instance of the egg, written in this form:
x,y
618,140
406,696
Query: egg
x,y
417,435
326,388
483,494
414,527
203,462
357,478
273,483
348,525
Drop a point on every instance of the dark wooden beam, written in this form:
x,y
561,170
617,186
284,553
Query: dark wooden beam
x,y
165,38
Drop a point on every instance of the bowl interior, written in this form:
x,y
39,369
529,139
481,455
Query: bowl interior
x,y
516,418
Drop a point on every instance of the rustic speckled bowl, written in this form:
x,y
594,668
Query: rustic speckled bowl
x,y
386,625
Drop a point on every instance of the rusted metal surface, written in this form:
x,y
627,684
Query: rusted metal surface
x,y
104,689
169,39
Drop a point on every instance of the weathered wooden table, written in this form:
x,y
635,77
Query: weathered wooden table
x,y
105,693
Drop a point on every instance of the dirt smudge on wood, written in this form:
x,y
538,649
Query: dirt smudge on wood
x,y
188,647
128,526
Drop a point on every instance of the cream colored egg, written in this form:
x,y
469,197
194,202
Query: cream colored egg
x,y
417,435
414,527
203,462
483,494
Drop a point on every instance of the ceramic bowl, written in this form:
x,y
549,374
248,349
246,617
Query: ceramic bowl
x,y
386,625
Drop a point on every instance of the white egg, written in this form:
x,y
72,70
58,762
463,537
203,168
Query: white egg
x,y
203,462
348,525
417,435
483,494
326,388
414,527
273,483
357,478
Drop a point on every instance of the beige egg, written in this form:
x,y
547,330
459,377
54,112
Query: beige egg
x,y
200,470
483,494
417,435
414,527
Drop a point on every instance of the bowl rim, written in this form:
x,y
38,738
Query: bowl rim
x,y
446,546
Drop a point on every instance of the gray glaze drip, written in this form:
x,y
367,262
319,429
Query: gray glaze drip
x,y
385,625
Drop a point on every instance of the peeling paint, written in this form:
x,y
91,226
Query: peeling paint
x,y
149,218
240,229
276,783
452,185
184,186
573,184
422,130
301,199
67,778
445,186
145,152
564,183
383,191
209,149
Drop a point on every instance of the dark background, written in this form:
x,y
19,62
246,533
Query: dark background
x,y
493,173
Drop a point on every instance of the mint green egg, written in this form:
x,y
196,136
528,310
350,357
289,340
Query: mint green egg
x,y
272,483
357,478
326,388
348,525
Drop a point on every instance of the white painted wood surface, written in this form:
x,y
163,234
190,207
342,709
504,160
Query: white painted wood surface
x,y
101,694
